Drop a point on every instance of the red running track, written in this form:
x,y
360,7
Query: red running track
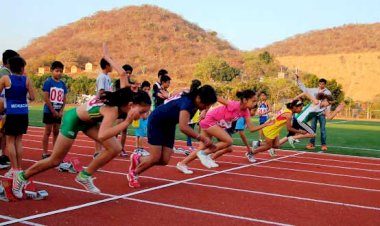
x,y
294,188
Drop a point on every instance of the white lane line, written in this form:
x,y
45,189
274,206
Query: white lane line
x,y
165,205
23,222
262,166
141,191
242,157
326,154
244,175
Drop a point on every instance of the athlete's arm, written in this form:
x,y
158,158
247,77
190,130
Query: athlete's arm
x,y
330,115
244,139
30,88
49,105
107,128
122,74
253,128
184,118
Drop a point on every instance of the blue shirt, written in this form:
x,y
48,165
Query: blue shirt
x,y
15,96
168,113
57,91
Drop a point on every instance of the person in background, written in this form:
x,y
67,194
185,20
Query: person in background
x,y
263,110
4,70
17,87
321,118
55,92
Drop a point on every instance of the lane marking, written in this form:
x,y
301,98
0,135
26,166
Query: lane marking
x,y
23,222
139,192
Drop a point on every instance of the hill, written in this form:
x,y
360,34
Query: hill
x,y
147,37
350,54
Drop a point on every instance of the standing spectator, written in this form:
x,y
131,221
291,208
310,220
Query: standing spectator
x,y
320,117
17,86
128,70
4,70
157,85
103,84
55,92
162,94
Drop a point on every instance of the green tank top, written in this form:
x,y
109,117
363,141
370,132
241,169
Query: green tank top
x,y
93,108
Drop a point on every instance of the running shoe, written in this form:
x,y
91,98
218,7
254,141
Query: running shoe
x,y
291,141
179,150
18,184
296,141
213,164
10,173
310,146
133,180
4,162
255,144
272,152
324,147
87,183
183,168
123,153
203,158
141,151
250,157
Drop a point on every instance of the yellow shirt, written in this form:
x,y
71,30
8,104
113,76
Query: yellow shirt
x,y
273,131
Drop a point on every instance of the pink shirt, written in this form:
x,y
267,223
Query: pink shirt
x,y
224,115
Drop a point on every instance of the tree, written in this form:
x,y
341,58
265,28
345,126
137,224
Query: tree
x,y
215,69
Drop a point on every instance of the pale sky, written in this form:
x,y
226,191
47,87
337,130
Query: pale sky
x,y
246,24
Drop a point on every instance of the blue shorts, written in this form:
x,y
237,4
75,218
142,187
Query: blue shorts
x,y
141,131
263,119
160,134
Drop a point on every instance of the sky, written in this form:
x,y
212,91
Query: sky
x,y
246,24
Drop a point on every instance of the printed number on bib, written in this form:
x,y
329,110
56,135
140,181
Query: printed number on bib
x,y
57,95
94,102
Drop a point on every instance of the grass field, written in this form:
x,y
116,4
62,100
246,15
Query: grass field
x,y
359,138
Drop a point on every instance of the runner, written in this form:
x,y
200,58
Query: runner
x,y
162,126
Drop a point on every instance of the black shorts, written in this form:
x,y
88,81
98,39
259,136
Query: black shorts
x,y
159,134
300,125
16,125
48,118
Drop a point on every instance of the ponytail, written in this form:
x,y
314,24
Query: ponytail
x,y
206,93
125,96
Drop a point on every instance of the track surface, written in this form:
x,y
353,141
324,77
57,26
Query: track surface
x,y
295,188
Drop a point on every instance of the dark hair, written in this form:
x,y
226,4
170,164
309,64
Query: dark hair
x,y
323,80
206,93
245,94
264,93
145,84
294,103
322,96
162,72
127,67
165,78
56,64
104,63
9,54
16,64
124,96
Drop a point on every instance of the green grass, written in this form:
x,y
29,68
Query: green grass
x,y
360,138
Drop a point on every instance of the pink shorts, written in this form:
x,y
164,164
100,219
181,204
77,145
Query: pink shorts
x,y
207,122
